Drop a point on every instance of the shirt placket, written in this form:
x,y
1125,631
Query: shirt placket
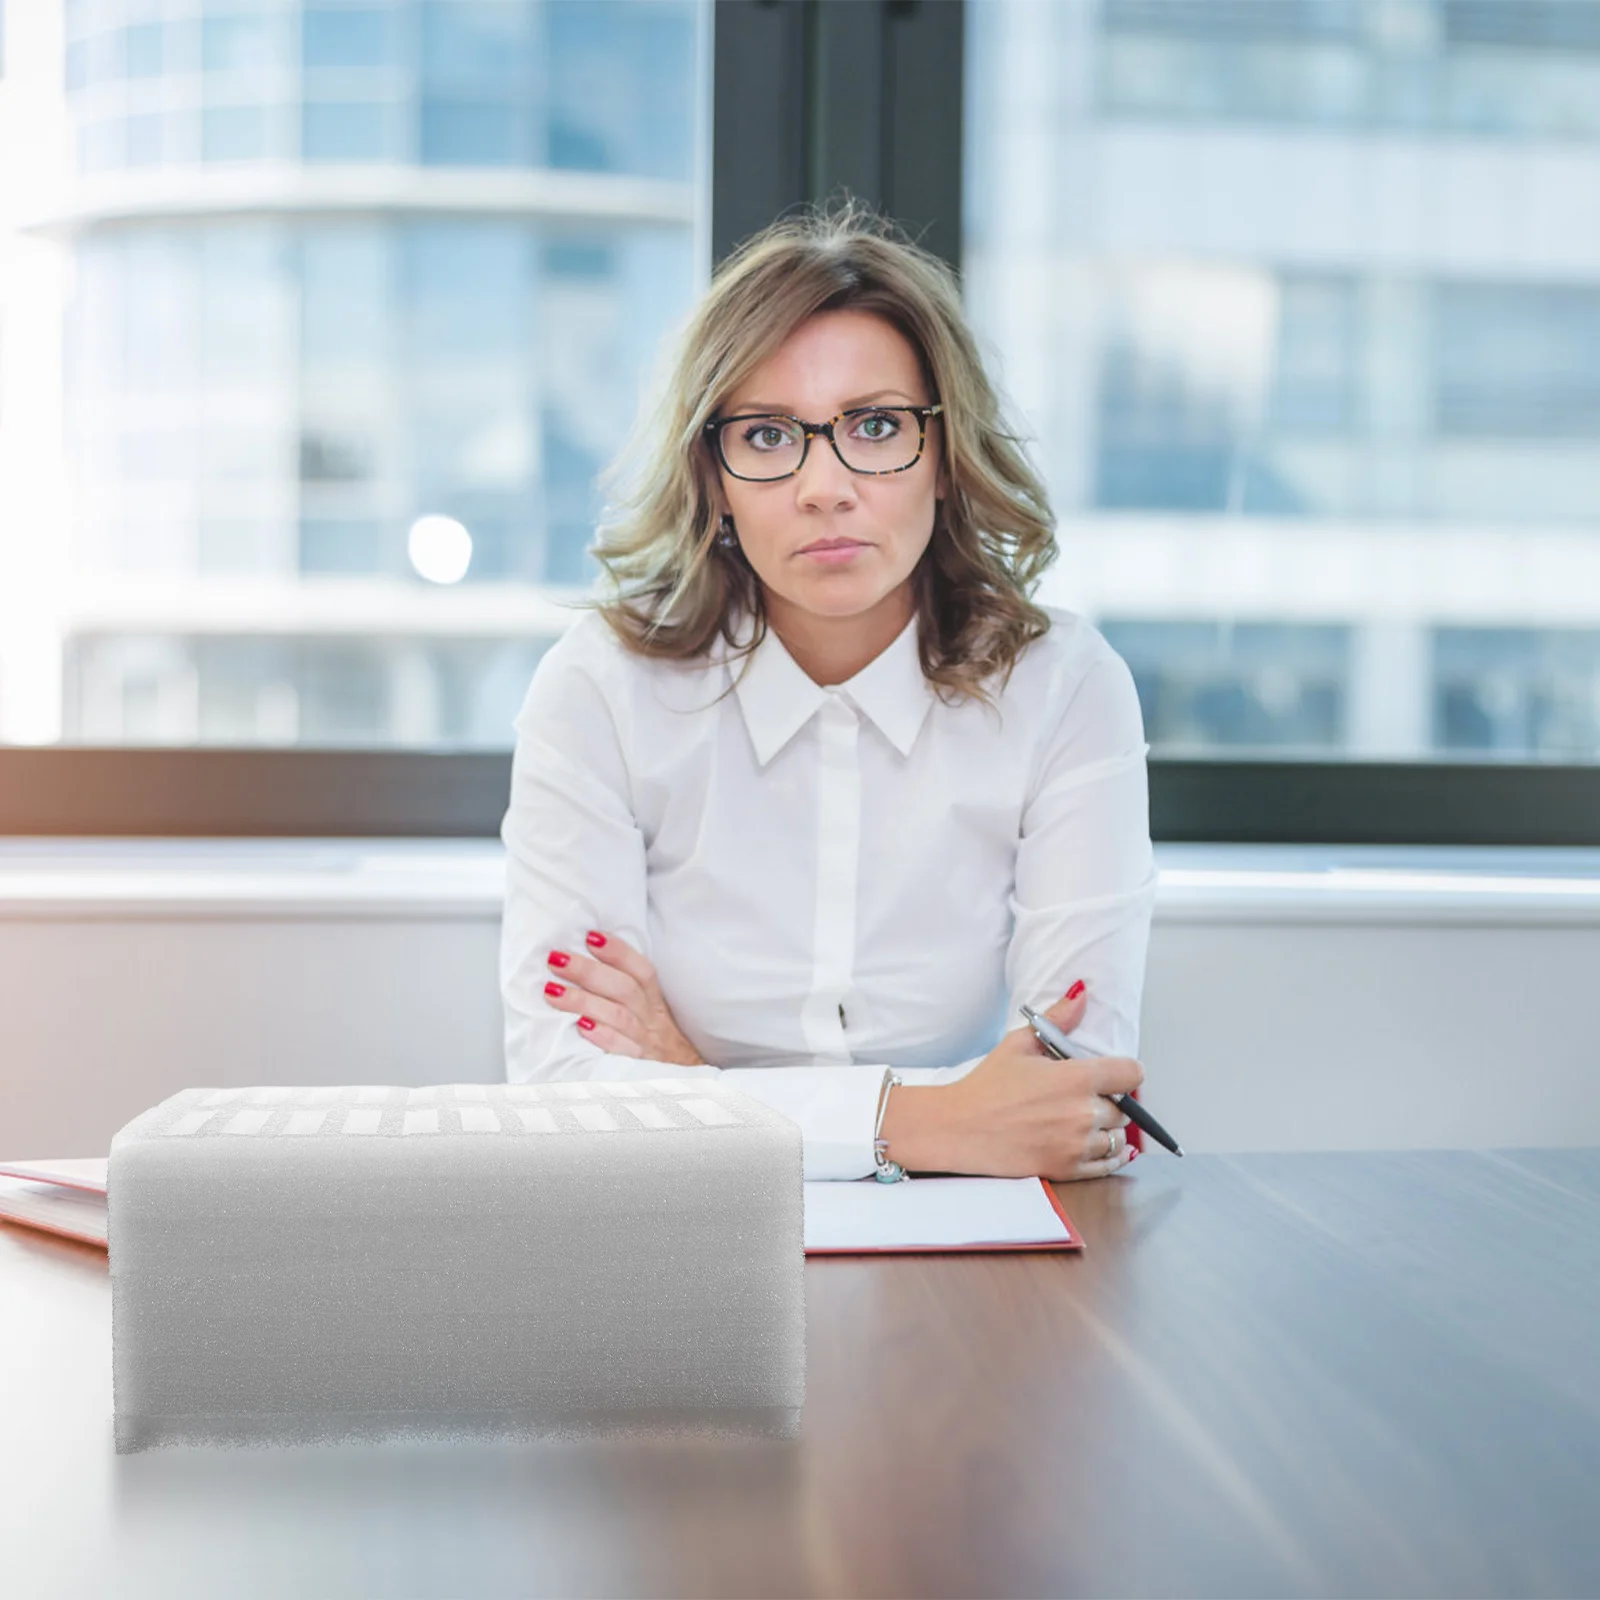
x,y
838,854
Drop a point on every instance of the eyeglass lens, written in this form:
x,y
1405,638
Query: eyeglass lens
x,y
884,439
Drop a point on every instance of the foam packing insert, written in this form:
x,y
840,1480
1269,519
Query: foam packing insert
x,y
556,1259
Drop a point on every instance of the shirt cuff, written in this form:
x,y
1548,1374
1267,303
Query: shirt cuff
x,y
835,1107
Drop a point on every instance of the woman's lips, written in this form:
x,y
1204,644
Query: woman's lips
x,y
832,555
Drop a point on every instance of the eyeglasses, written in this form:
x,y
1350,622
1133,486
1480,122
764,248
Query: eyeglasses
x,y
763,447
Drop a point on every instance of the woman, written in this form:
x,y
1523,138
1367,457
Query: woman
x,y
817,792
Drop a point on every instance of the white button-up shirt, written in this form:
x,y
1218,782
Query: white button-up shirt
x,y
828,881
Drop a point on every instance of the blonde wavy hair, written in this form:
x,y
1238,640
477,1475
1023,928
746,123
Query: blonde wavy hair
x,y
674,586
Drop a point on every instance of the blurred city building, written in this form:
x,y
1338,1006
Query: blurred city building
x,y
319,321
1300,301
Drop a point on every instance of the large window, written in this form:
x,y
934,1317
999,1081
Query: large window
x,y
319,317
1300,300
353,301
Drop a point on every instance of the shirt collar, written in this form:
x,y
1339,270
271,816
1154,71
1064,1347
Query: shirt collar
x,y
778,698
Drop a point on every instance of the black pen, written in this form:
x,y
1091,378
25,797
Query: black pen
x,y
1057,1043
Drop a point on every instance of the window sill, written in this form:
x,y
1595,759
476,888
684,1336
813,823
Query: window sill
x,y
114,879
1436,885
464,880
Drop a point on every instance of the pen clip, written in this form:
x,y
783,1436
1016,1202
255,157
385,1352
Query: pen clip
x,y
1042,1029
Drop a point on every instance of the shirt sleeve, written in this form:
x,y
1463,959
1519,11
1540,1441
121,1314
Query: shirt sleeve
x,y
835,1105
1085,883
1085,879
575,860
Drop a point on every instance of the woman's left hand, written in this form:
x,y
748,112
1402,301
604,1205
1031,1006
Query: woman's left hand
x,y
619,1004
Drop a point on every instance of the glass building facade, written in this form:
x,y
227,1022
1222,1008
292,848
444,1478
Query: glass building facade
x,y
328,269
1300,300
565,85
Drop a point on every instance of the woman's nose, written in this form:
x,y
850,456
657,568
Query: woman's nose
x,y
824,482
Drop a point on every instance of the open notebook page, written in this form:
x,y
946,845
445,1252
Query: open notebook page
x,y
934,1214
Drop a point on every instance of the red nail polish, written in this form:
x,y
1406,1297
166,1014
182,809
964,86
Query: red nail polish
x,y
1133,1154
596,939
558,958
1075,990
586,1024
555,988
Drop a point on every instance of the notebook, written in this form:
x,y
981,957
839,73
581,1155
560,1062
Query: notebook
x,y
936,1214
864,1217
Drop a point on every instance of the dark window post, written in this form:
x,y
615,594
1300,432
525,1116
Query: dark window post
x,y
817,97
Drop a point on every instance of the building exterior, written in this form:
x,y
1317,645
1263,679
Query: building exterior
x,y
1301,301
285,281
305,305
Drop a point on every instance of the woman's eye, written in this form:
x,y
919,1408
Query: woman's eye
x,y
768,436
876,426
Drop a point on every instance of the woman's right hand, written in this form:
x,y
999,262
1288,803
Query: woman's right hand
x,y
1019,1113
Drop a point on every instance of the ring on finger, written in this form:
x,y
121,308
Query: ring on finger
x,y
1113,1141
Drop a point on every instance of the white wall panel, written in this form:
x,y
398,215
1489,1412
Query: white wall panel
x,y
1270,1021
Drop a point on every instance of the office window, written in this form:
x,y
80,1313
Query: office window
x,y
474,133
358,375
307,691
480,83
1220,59
326,465
236,133
1318,413
1204,684
141,50
350,132
1509,68
146,139
348,37
1517,360
244,40
484,44
1519,690
612,102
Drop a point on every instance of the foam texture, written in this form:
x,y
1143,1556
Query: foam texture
x,y
530,1260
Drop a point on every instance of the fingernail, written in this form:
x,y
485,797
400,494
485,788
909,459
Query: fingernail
x,y
559,958
596,939
1133,1155
555,988
1075,990
586,1024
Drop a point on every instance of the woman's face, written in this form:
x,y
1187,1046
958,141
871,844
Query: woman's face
x,y
836,361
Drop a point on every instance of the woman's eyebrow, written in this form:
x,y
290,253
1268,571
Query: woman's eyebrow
x,y
768,409
875,396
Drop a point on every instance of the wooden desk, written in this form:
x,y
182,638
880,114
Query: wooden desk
x,y
1363,1374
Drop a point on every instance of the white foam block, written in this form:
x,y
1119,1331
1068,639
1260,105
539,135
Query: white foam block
x,y
293,1265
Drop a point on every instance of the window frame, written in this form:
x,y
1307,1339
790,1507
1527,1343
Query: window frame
x,y
84,791
809,97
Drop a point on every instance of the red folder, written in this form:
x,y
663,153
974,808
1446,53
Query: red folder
x,y
63,1196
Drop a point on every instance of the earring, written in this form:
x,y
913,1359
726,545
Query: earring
x,y
725,534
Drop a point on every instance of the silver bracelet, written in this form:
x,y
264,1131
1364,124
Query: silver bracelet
x,y
888,1171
